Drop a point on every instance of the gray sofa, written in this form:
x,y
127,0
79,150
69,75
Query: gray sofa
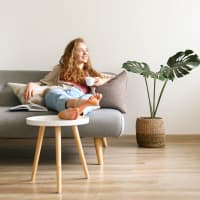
x,y
104,122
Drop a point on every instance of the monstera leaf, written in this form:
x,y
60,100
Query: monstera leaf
x,y
138,68
181,64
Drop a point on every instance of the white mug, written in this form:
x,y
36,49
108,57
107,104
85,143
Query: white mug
x,y
90,81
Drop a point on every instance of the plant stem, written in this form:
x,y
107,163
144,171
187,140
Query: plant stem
x,y
161,93
154,95
150,106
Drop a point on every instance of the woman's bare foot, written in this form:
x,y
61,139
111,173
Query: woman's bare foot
x,y
74,103
94,99
74,113
70,114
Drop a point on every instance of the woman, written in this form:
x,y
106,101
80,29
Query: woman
x,y
72,93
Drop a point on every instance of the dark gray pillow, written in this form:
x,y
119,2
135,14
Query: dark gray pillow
x,y
114,92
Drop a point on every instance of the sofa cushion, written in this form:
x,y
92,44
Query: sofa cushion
x,y
114,92
13,124
19,89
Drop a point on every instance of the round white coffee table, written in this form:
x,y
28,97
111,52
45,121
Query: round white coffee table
x,y
54,121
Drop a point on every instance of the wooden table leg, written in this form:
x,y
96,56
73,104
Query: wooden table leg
x,y
37,152
105,143
80,150
58,159
99,150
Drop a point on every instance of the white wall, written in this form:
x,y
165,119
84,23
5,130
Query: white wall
x,y
33,34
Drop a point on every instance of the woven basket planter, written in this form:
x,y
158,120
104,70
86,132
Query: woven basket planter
x,y
150,132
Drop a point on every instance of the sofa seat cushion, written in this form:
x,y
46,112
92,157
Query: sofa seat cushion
x,y
13,124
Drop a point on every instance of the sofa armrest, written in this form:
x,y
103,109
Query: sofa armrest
x,y
7,97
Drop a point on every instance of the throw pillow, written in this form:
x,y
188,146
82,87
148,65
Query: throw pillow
x,y
19,89
114,92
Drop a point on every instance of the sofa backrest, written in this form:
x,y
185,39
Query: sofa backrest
x,y
7,97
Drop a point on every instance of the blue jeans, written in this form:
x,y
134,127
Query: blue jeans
x,y
56,99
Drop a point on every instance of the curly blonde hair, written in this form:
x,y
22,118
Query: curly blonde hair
x,y
70,69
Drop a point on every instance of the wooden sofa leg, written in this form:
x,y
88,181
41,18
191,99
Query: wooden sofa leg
x,y
105,143
99,150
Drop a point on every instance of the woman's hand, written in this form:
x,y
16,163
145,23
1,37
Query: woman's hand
x,y
30,90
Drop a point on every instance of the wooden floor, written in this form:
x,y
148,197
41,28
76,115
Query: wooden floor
x,y
129,172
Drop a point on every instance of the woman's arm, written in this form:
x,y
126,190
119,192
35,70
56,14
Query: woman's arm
x,y
30,90
100,81
50,79
105,77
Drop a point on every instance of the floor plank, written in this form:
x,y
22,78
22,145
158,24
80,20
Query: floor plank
x,y
129,172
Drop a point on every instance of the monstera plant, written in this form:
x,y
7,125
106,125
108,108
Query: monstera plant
x,y
177,66
150,131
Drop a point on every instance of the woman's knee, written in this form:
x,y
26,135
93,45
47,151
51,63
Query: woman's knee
x,y
55,99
